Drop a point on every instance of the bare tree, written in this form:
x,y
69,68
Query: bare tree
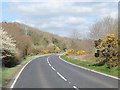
x,y
103,27
75,35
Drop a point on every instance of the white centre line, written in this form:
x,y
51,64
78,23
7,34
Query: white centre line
x,y
48,61
53,68
61,76
75,87
49,64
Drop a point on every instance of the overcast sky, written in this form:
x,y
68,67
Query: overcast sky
x,y
59,16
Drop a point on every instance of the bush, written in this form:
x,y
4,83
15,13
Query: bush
x,y
45,51
8,50
56,49
69,52
73,52
107,51
10,60
80,52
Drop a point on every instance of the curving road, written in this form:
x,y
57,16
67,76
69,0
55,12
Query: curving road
x,y
52,72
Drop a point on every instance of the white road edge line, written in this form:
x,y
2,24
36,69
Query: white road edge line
x,y
23,69
61,76
90,69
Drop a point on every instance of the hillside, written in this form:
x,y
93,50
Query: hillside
x,y
33,39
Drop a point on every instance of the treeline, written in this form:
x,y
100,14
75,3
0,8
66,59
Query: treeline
x,y
102,42
106,42
29,41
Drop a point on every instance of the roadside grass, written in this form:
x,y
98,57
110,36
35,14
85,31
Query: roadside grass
x,y
113,71
7,73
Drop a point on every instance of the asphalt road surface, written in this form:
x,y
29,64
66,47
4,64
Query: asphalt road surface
x,y
51,72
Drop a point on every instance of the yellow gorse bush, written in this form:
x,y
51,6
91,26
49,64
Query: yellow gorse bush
x,y
80,52
45,51
107,51
73,52
66,53
69,51
110,37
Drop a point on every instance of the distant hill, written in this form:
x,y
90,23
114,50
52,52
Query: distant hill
x,y
33,38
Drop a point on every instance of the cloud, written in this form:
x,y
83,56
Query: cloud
x,y
64,22
61,16
59,7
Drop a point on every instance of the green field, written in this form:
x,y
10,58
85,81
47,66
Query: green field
x,y
90,65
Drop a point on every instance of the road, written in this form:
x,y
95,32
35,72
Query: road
x,y
52,72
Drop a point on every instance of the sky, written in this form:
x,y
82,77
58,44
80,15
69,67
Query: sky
x,y
58,16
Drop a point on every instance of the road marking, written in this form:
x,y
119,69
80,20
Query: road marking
x,y
49,64
61,76
23,69
75,87
53,68
48,61
90,69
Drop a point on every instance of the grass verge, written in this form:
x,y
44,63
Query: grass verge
x,y
7,73
90,65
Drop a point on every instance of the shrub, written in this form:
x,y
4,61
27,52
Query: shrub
x,y
8,50
107,51
45,51
80,52
69,52
10,60
56,49
66,53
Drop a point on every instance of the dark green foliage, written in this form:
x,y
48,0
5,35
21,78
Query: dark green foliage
x,y
9,59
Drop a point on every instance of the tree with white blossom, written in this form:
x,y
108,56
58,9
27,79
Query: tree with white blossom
x,y
8,48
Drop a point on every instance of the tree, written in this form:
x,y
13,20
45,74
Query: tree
x,y
24,44
102,27
75,39
75,35
8,49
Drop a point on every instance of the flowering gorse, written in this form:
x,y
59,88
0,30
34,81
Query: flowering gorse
x,y
107,51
